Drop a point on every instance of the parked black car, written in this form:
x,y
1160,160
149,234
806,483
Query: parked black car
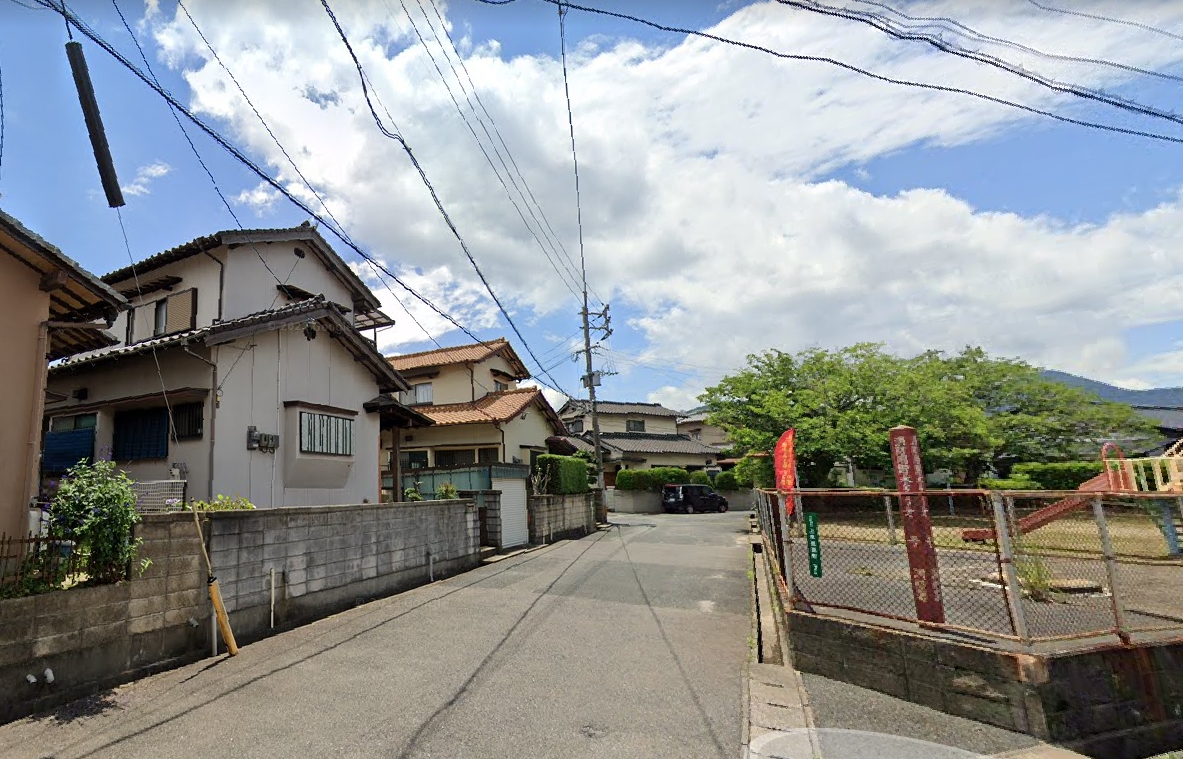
x,y
691,498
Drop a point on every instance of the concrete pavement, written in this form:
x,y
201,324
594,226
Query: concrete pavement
x,y
628,643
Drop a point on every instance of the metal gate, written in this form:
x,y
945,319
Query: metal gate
x,y
514,527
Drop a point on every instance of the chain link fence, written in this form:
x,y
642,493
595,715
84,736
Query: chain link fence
x,y
1065,565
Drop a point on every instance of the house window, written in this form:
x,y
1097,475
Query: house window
x,y
76,422
635,425
408,460
322,433
696,434
166,316
489,455
188,420
575,425
140,434
455,458
418,394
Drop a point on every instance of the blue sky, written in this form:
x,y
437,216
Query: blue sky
x,y
700,168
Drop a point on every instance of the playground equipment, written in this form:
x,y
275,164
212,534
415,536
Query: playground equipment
x,y
1121,474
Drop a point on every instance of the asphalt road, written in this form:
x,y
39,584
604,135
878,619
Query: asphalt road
x,y
628,643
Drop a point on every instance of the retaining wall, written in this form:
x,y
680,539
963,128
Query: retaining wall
x,y
1115,702
93,638
632,501
559,517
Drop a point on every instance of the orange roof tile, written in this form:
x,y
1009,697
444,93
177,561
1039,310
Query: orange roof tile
x,y
460,354
494,407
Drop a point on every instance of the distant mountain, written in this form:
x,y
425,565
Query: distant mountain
x,y
1158,396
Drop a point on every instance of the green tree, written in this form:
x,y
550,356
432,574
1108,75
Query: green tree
x,y
970,411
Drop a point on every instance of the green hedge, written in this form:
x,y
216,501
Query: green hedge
x,y
700,478
1011,483
633,479
1062,475
668,475
564,475
726,481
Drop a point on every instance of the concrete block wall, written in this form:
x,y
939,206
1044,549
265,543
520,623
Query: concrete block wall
x,y
490,501
632,501
559,517
330,558
97,637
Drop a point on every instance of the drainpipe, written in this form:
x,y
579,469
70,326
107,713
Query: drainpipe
x,y
472,381
221,285
497,426
213,411
33,452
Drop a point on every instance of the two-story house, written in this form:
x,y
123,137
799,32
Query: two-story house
x,y
51,309
639,435
241,368
480,414
694,425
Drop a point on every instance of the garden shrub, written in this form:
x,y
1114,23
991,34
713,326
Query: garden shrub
x,y
1060,475
633,479
667,475
446,492
726,481
700,478
756,471
411,494
95,507
221,503
562,475
1011,483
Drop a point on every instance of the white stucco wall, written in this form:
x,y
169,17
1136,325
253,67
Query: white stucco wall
x,y
250,287
660,425
284,366
198,271
521,434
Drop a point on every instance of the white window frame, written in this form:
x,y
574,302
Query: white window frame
x,y
325,434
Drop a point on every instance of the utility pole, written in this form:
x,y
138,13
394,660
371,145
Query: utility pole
x,y
592,379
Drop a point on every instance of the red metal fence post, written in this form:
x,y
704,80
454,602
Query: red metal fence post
x,y
922,555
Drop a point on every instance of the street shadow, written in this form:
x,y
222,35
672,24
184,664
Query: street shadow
x,y
91,706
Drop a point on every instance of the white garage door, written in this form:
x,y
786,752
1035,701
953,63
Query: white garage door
x,y
514,530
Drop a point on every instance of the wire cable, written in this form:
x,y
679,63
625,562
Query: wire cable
x,y
956,27
857,70
1,122
887,27
1110,19
552,237
434,195
485,153
229,147
339,230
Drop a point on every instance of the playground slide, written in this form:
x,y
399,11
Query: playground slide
x,y
1050,513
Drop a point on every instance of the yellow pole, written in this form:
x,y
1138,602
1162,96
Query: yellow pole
x,y
215,594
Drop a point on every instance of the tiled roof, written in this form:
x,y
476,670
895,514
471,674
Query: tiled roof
x,y
460,354
364,299
313,309
612,407
1166,417
576,443
640,442
494,407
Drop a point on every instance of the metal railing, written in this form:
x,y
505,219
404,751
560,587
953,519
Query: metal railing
x,y
1105,563
38,564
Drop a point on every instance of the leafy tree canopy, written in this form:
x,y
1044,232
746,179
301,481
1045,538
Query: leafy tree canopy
x,y
971,411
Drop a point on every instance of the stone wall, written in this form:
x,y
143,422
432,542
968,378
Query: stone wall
x,y
97,637
559,517
1115,702
330,558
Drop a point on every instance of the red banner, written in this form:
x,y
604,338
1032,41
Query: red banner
x,y
922,555
785,460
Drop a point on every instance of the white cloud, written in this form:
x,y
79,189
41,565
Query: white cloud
x,y
145,175
700,167
678,398
260,198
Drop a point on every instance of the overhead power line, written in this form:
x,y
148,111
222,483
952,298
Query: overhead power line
x,y
857,70
887,26
953,26
551,235
229,147
1110,19
434,196
481,146
340,229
